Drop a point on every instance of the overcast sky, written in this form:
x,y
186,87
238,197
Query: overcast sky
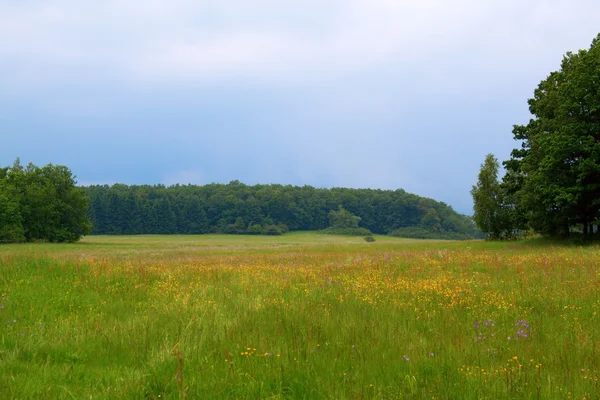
x,y
355,93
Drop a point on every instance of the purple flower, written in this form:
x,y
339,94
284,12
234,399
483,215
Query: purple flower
x,y
522,333
523,323
524,327
476,324
430,354
406,357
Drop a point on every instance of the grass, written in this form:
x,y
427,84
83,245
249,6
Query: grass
x,y
298,316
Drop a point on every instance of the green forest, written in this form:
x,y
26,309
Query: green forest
x,y
45,204
237,208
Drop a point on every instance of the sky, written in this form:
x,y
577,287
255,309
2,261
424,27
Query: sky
x,y
331,93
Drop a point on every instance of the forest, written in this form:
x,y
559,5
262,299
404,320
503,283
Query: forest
x,y
237,208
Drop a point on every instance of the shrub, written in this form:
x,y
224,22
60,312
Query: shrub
x,y
272,230
416,232
346,231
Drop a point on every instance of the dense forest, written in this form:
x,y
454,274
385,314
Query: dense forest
x,y
266,209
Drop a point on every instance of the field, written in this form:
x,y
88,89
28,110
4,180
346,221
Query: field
x,y
298,316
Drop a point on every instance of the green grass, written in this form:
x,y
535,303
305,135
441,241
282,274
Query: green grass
x,y
298,316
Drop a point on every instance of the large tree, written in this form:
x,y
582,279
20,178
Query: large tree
x,y
555,175
41,204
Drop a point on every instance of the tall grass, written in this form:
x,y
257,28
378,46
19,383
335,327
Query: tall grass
x,y
200,317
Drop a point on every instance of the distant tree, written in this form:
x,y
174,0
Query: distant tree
x,y
489,214
239,226
255,229
11,221
343,219
431,221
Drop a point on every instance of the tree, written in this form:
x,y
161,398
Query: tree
x,y
11,221
343,219
554,177
487,198
239,226
431,221
41,204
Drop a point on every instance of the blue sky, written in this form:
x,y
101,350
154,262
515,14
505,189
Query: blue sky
x,y
354,93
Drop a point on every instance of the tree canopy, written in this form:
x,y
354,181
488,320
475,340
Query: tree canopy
x,y
490,213
264,209
41,204
552,182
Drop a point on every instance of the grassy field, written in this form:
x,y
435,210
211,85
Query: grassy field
x,y
298,316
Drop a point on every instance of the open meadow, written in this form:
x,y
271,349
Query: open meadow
x,y
298,316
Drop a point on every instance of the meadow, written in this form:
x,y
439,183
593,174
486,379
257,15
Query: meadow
x,y
299,316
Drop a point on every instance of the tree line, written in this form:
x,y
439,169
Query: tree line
x,y
41,204
552,181
266,209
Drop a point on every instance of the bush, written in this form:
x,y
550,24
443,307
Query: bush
x,y
416,232
272,230
283,228
369,239
254,229
346,231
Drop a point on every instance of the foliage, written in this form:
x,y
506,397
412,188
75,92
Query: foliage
x,y
343,219
346,231
417,232
272,230
326,318
41,204
121,209
554,178
369,239
491,214
11,220
431,221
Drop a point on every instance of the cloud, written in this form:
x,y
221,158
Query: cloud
x,y
180,40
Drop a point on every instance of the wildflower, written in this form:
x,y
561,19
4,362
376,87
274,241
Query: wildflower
x,y
523,323
431,354
523,326
476,324
406,357
522,333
